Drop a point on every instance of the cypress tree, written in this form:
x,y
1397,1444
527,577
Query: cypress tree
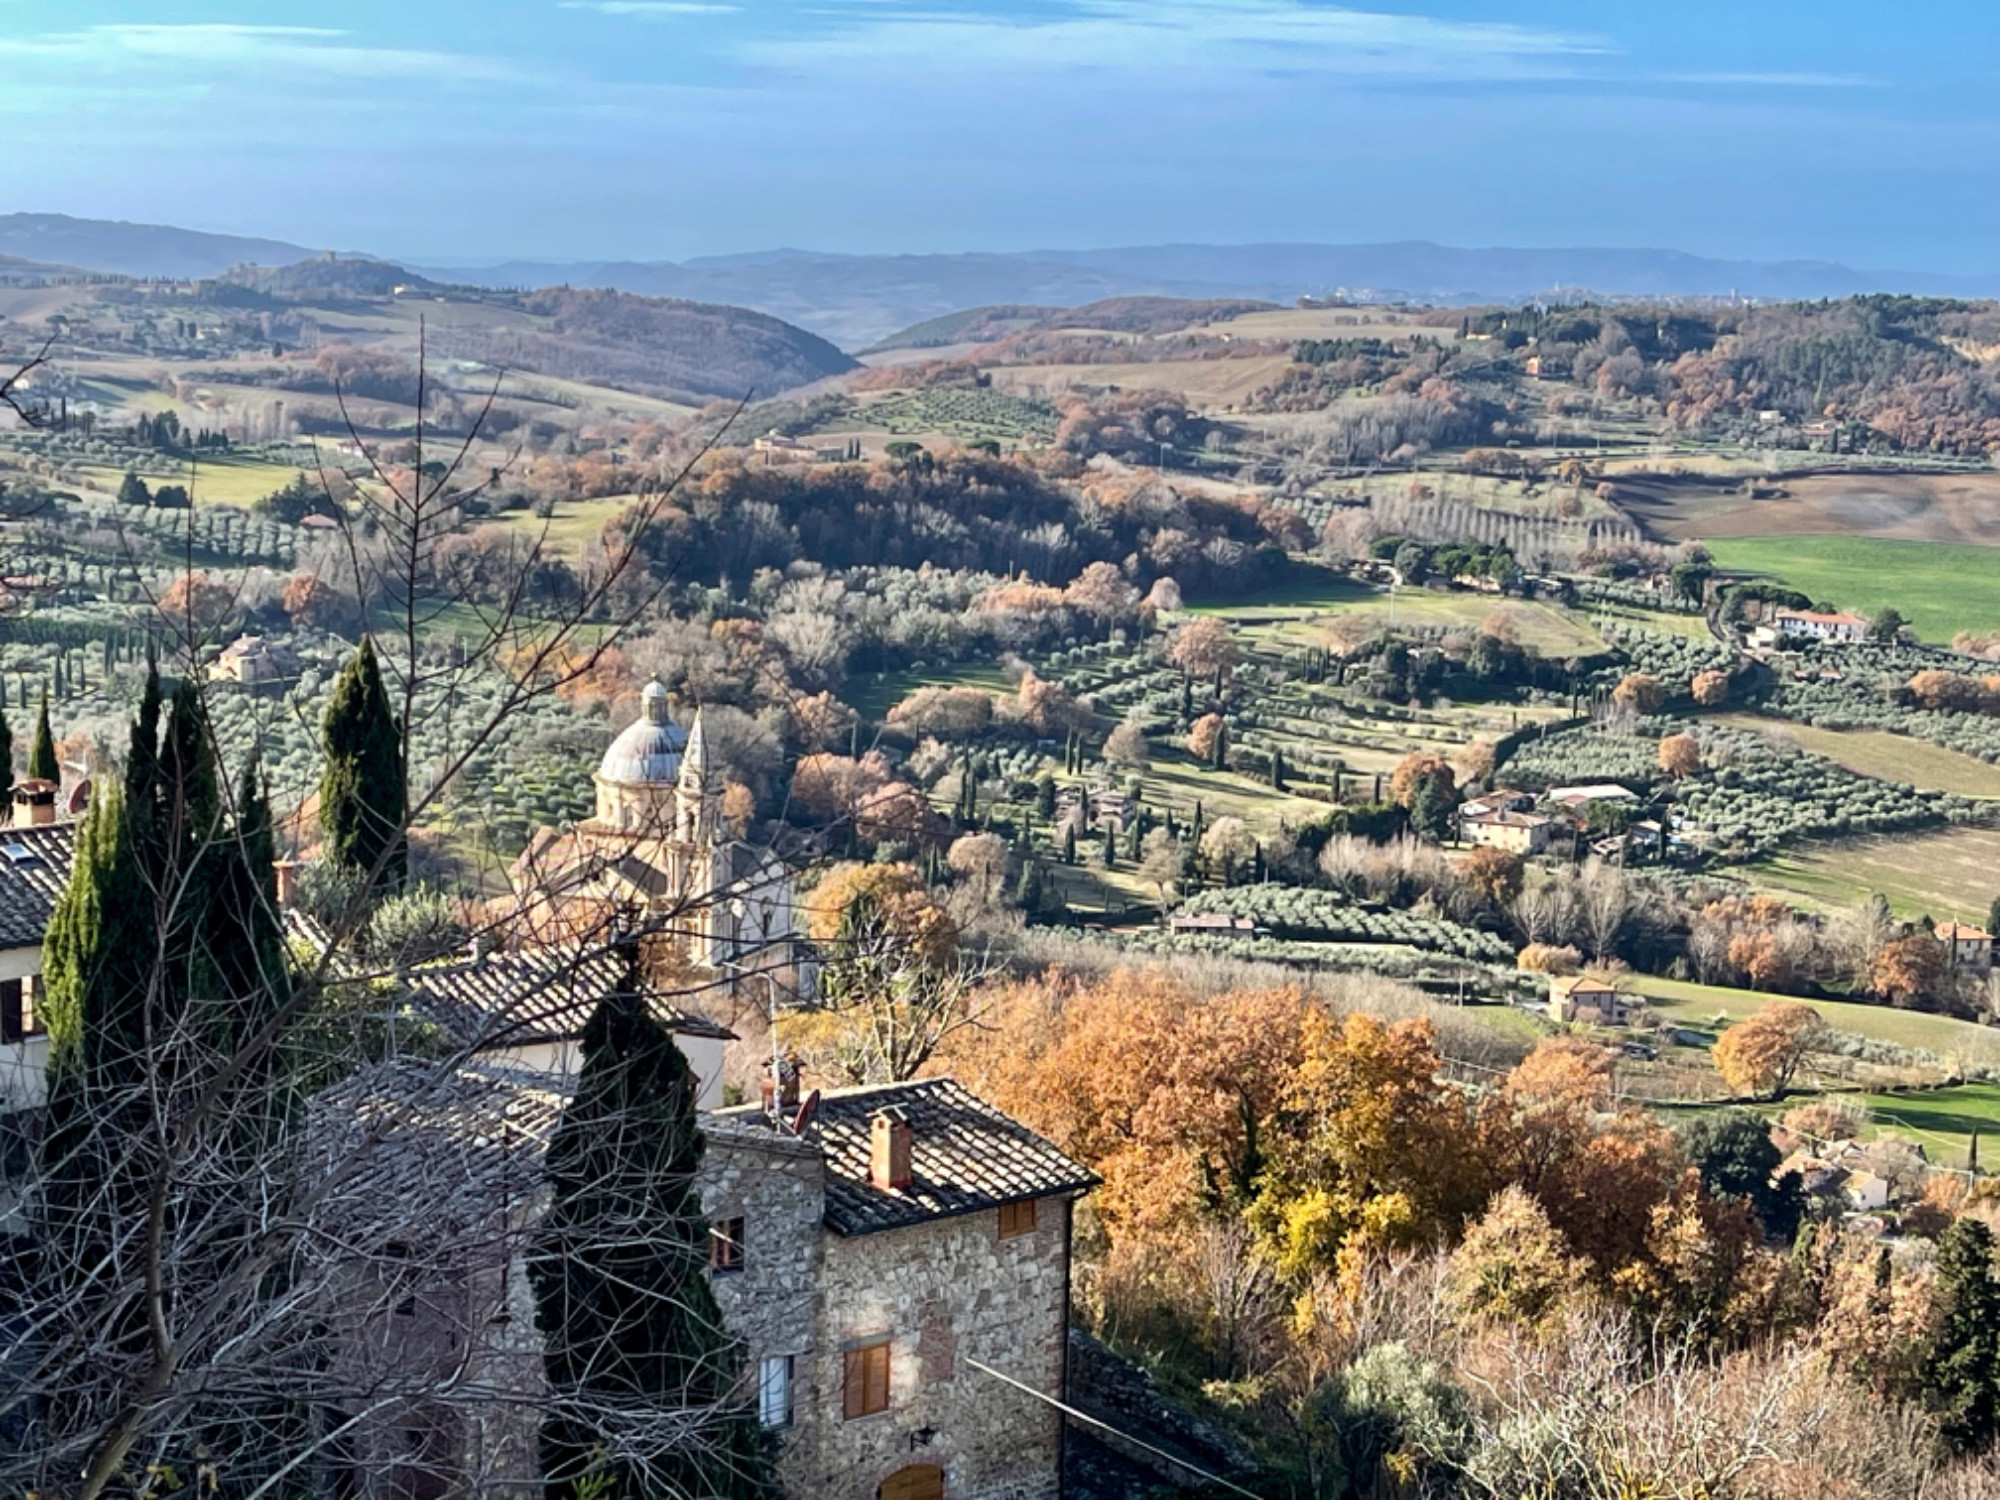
x,y
1045,798
6,753
361,802
247,943
42,762
630,1326
1278,769
1961,1379
1069,844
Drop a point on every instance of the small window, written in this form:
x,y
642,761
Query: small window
x,y
1017,1219
725,1245
18,1020
865,1381
774,1391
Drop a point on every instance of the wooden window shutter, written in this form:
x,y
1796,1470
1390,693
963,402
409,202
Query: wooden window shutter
x,y
864,1386
878,1378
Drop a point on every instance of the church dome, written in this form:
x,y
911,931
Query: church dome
x,y
648,751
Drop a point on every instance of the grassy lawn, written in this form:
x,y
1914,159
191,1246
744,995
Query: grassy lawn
x,y
1954,872
1940,588
1304,587
1173,780
1950,1039
874,696
1943,1121
1693,627
1886,756
219,479
571,525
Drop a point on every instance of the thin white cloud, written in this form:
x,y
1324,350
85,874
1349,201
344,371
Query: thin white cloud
x,y
1774,80
215,49
1150,36
650,8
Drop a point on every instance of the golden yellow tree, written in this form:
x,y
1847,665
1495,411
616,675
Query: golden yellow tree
x,y
1762,1055
1680,756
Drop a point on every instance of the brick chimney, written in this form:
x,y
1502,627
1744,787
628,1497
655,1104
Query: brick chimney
x,y
889,1141
34,803
787,1091
287,872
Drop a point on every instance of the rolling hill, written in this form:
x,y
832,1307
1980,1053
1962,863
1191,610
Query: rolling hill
x,y
136,249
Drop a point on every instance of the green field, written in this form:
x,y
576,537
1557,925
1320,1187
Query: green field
x,y
1303,588
1956,1042
1940,589
571,525
874,695
1942,1121
1954,872
220,479
1885,756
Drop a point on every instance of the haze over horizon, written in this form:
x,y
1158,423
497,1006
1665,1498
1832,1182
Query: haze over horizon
x,y
589,130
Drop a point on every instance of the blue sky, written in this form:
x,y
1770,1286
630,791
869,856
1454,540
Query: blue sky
x,y
658,129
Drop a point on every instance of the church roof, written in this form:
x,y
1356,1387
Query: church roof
x,y
647,751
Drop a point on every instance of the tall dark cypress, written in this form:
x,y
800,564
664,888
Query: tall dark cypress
x,y
361,794
630,1326
42,762
1961,1377
6,753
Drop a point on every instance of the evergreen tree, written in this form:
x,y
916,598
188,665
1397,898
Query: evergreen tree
x,y
1961,1379
1069,844
42,762
1221,759
6,754
361,797
132,490
1028,893
631,1330
1045,796
1278,769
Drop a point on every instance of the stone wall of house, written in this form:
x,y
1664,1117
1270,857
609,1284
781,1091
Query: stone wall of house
x,y
944,1292
778,1188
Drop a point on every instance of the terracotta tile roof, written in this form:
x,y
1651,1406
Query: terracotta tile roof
x,y
965,1156
536,995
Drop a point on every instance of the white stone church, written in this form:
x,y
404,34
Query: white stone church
x,y
658,850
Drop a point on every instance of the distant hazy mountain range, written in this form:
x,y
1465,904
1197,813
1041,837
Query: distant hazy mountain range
x,y
855,299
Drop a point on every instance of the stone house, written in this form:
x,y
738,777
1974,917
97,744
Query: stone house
x,y
252,660
1579,997
1521,833
893,1260
1820,626
1968,949
35,859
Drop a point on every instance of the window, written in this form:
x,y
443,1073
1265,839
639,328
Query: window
x,y
1017,1218
865,1383
774,1391
725,1245
17,1010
